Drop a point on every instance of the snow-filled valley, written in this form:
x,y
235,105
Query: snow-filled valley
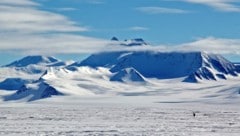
x,y
121,93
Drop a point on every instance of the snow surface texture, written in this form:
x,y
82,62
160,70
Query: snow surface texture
x,y
118,116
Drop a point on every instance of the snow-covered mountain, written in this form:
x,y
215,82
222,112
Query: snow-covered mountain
x,y
129,42
127,75
213,67
26,70
134,42
237,65
33,60
108,59
116,73
105,59
13,83
195,66
33,91
35,64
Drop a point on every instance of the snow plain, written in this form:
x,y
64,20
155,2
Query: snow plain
x,y
132,115
157,107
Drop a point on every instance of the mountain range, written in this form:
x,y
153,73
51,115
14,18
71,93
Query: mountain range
x,y
114,73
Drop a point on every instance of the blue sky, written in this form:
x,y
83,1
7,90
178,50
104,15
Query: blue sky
x,y
115,17
76,28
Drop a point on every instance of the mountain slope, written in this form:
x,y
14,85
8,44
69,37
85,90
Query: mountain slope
x,y
134,42
13,83
26,70
160,65
34,91
126,75
108,59
237,65
105,59
194,66
36,60
35,64
213,67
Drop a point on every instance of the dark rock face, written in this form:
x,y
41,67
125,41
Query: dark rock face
x,y
213,67
50,91
22,90
114,39
238,68
202,73
136,42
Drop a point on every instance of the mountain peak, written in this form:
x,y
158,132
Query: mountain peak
x,y
114,39
36,59
130,42
135,42
127,74
165,65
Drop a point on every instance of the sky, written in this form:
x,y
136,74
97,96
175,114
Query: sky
x,y
73,29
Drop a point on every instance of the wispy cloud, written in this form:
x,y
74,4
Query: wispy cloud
x,y
19,2
161,10
214,45
221,5
66,9
31,19
50,44
209,44
95,1
26,28
138,28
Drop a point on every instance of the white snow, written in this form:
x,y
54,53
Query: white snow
x,y
37,60
127,75
118,116
88,103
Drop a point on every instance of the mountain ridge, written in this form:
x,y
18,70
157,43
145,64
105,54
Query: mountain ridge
x,y
103,72
165,65
34,59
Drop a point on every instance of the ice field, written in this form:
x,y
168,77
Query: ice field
x,y
118,116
